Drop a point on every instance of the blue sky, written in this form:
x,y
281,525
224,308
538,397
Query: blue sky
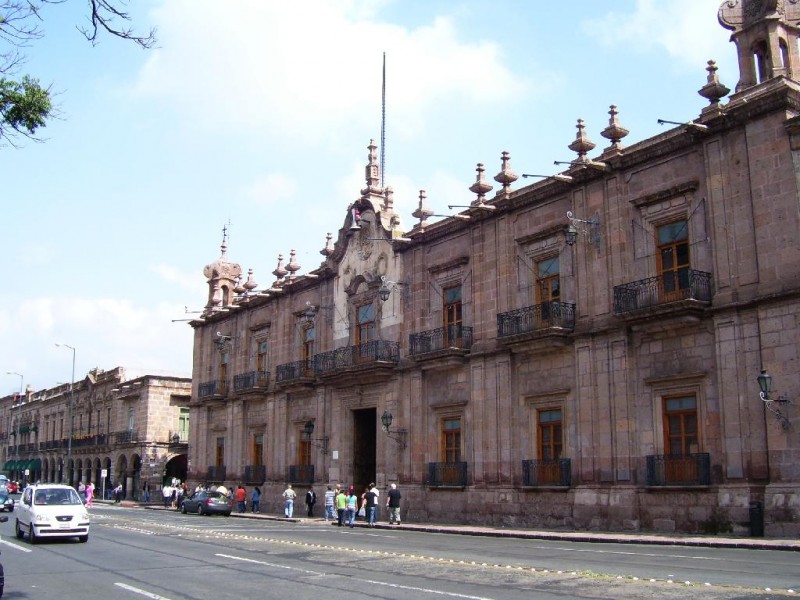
x,y
260,116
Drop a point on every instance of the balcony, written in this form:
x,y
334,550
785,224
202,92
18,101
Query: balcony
x,y
685,292
368,362
540,321
90,440
451,342
447,475
125,437
547,473
253,381
255,474
300,372
213,389
301,474
216,474
178,441
679,470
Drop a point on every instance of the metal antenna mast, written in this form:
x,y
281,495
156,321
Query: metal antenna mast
x,y
383,125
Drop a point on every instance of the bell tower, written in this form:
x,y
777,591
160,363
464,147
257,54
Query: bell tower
x,y
766,38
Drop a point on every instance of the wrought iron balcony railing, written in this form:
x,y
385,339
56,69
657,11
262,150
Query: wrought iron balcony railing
x,y
255,474
212,388
126,437
442,474
679,469
555,472
686,284
375,351
301,474
536,317
451,336
301,369
216,473
251,381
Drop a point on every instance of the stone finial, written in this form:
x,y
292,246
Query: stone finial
x,y
239,288
388,199
422,213
506,176
372,171
480,187
713,90
293,266
582,144
614,132
328,249
250,284
280,272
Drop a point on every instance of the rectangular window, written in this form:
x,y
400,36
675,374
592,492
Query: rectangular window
x,y
183,424
453,315
548,287
130,418
680,425
365,330
223,367
549,434
309,337
258,450
261,356
219,457
451,440
673,258
304,451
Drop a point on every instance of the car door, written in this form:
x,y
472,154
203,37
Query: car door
x,y
25,508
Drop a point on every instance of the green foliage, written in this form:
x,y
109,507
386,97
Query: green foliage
x,y
24,105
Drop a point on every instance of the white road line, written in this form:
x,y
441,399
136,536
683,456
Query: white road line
x,y
145,593
370,581
15,546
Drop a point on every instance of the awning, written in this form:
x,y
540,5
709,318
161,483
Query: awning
x,y
21,465
10,465
35,464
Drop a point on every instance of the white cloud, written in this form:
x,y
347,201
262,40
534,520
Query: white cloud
x,y
305,72
270,190
680,27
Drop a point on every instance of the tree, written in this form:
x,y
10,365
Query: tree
x,y
25,105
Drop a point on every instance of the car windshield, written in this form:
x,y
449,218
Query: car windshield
x,y
49,497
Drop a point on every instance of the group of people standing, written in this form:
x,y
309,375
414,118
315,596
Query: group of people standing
x,y
344,506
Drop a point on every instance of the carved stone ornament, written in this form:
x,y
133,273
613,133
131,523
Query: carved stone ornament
x,y
740,14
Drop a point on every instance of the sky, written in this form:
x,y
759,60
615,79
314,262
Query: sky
x,y
258,118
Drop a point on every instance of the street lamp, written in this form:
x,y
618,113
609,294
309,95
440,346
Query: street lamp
x,y
69,410
19,405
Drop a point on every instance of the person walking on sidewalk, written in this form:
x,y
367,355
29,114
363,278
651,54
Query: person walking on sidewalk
x,y
393,504
352,507
256,499
371,504
288,496
311,500
341,506
330,509
241,499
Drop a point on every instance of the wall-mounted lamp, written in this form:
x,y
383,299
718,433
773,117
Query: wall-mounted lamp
x,y
690,125
310,313
387,287
308,431
590,227
399,435
557,177
765,384
223,343
458,216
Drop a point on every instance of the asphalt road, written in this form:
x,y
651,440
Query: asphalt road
x,y
135,553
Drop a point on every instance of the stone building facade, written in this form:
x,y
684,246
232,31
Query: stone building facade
x,y
581,352
126,429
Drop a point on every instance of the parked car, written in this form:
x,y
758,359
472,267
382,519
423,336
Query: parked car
x,y
207,503
51,510
6,502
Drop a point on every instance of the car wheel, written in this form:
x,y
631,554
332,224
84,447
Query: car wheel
x,y
83,538
32,535
18,531
200,510
227,514
183,508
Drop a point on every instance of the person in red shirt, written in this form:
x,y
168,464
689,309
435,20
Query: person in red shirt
x,y
241,498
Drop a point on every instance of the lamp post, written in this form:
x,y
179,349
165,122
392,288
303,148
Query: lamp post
x,y
19,404
69,411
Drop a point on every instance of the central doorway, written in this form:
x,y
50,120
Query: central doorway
x,y
364,447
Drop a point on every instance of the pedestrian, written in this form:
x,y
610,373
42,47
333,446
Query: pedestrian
x,y
82,491
288,496
241,499
146,491
330,496
89,492
341,505
311,500
256,499
118,493
173,498
352,505
393,504
371,503
166,492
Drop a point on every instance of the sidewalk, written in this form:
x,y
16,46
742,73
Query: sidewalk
x,y
711,541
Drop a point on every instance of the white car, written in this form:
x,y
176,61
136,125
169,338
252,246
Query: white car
x,y
51,510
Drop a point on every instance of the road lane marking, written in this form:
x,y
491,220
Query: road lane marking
x,y
370,581
141,592
15,546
